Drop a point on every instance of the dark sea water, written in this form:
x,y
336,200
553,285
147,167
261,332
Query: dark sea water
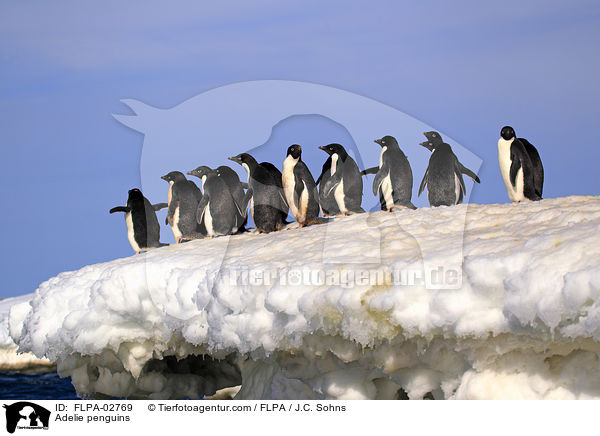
x,y
35,386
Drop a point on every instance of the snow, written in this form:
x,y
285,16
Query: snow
x,y
9,358
299,313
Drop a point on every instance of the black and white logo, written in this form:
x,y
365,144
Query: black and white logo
x,y
26,415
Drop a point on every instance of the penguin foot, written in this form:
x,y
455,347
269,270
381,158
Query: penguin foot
x,y
317,220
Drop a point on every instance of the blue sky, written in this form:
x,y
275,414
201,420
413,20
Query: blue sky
x,y
466,67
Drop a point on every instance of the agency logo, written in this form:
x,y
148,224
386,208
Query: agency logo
x,y
26,415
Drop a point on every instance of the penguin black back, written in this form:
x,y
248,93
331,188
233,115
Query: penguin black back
x,y
340,183
268,207
443,177
520,166
393,179
143,230
217,209
237,192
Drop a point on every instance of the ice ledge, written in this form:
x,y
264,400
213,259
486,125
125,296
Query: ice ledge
x,y
185,321
10,358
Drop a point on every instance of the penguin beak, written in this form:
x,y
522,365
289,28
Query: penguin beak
x,y
377,141
235,159
164,178
191,173
322,147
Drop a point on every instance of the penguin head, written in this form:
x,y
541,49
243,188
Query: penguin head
x,y
387,141
433,137
135,194
174,176
201,171
243,158
507,133
429,145
295,151
334,149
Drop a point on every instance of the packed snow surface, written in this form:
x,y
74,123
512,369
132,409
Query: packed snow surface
x,y
10,359
346,309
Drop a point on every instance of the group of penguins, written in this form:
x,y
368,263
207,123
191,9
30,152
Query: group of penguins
x,y
221,207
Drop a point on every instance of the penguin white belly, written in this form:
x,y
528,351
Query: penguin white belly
x,y
130,233
170,193
339,196
175,227
334,159
288,180
386,189
515,194
208,222
518,193
383,150
252,207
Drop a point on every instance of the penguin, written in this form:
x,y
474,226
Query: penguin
x,y
236,188
183,199
443,177
520,166
217,210
300,188
143,230
393,178
268,206
340,183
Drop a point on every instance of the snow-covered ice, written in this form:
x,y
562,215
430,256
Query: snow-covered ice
x,y
9,358
305,313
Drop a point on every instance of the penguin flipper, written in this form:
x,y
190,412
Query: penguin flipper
x,y
245,202
298,188
284,201
331,184
463,189
468,172
159,206
201,207
379,176
423,182
120,209
514,168
372,170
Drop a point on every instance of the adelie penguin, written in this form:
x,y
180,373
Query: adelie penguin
x,y
268,206
521,167
236,188
217,210
300,188
143,230
340,183
393,178
443,177
183,199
